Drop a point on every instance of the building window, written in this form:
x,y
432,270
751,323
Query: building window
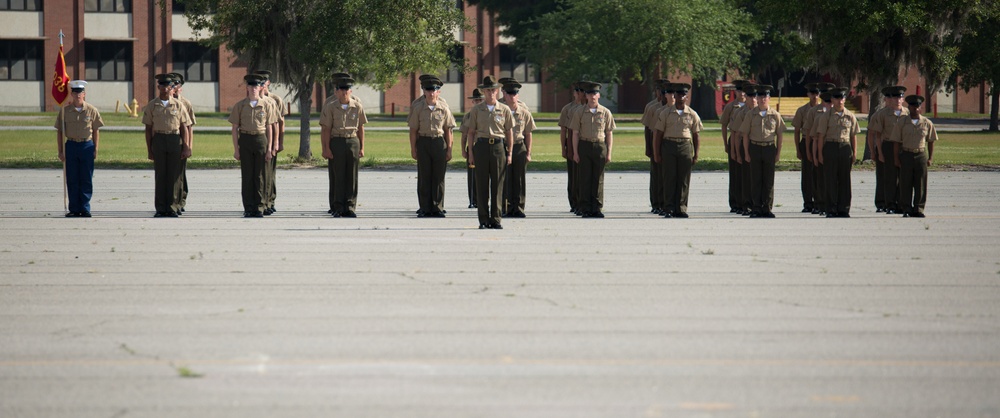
x,y
196,62
108,6
108,60
21,60
513,64
29,5
178,7
454,73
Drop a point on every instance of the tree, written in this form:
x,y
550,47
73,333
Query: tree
x,y
303,42
979,60
867,42
605,40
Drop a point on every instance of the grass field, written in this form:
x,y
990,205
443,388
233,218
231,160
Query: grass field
x,y
34,149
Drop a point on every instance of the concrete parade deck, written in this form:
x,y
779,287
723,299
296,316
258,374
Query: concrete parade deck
x,y
387,315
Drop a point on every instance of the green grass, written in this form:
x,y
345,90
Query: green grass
x,y
37,149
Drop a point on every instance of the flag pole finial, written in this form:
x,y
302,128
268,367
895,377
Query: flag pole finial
x,y
61,36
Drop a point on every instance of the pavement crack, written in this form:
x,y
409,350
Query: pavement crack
x,y
132,352
78,331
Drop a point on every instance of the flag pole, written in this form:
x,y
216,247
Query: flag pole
x,y
65,194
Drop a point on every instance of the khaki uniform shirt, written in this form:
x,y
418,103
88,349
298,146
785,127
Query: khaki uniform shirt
x,y
343,123
649,115
810,126
762,129
79,124
167,118
566,114
727,113
252,119
488,123
523,122
736,119
429,122
799,120
884,121
837,127
190,109
279,105
914,137
681,125
592,125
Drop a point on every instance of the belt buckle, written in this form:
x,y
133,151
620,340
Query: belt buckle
x,y
493,141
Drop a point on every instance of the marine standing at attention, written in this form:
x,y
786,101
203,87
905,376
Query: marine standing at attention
x,y
277,135
566,142
839,130
814,146
516,174
880,129
675,146
167,145
913,149
737,103
762,131
253,144
649,119
743,199
343,137
492,123
801,143
178,86
592,146
431,138
77,137
468,138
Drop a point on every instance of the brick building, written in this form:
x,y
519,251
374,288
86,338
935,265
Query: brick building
x,y
119,45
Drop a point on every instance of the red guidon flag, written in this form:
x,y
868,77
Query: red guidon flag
x,y
60,80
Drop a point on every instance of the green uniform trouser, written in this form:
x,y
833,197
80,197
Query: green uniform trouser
x,y
344,176
655,175
913,181
807,178
472,184
514,191
253,171
837,175
746,179
167,172
762,160
675,162
432,163
271,178
572,190
491,162
184,181
880,180
735,182
891,189
819,185
590,175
